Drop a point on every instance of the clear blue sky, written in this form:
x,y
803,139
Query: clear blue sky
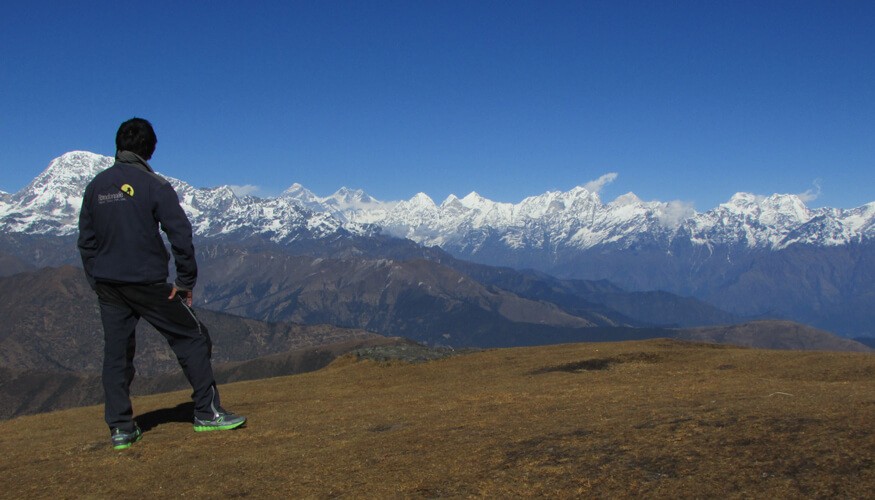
x,y
689,101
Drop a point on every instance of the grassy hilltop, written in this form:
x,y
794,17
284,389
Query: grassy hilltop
x,y
654,418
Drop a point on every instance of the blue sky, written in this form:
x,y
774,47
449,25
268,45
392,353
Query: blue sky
x,y
689,101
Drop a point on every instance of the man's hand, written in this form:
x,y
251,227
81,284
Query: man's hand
x,y
187,295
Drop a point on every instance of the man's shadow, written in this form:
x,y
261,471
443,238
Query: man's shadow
x,y
183,412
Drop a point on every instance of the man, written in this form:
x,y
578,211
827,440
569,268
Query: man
x,y
126,264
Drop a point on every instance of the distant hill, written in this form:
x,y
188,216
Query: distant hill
x,y
52,323
772,335
10,264
24,392
51,319
654,308
653,419
440,300
51,338
428,296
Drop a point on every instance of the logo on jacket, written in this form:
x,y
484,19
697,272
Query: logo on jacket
x,y
110,197
128,190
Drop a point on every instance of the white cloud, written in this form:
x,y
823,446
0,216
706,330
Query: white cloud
x,y
246,190
597,185
811,194
674,212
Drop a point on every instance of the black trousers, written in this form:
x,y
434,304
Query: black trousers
x,y
121,307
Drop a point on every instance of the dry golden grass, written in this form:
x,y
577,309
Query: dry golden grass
x,y
654,419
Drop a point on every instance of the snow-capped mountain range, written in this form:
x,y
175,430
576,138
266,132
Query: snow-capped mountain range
x,y
50,205
553,221
754,256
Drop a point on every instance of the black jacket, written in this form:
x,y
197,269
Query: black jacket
x,y
119,222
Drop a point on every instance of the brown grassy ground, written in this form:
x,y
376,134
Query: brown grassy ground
x,y
655,419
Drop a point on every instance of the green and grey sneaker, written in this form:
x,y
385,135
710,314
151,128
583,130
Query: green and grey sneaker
x,y
122,440
222,421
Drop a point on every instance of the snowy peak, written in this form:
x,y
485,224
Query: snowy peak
x,y
65,176
752,220
343,199
625,200
354,208
50,203
475,201
299,192
348,196
303,197
834,227
768,207
577,202
349,199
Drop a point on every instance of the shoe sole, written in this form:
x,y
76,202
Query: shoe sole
x,y
226,427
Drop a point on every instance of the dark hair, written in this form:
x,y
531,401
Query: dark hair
x,y
137,136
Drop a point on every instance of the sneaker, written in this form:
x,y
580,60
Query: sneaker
x,y
222,421
122,440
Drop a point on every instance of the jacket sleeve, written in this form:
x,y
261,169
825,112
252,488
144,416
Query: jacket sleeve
x,y
87,241
177,227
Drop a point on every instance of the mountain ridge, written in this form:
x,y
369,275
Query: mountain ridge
x,y
576,218
753,256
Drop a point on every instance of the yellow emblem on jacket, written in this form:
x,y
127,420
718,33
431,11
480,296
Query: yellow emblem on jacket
x,y
128,190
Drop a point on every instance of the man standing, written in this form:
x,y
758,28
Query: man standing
x,y
126,263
